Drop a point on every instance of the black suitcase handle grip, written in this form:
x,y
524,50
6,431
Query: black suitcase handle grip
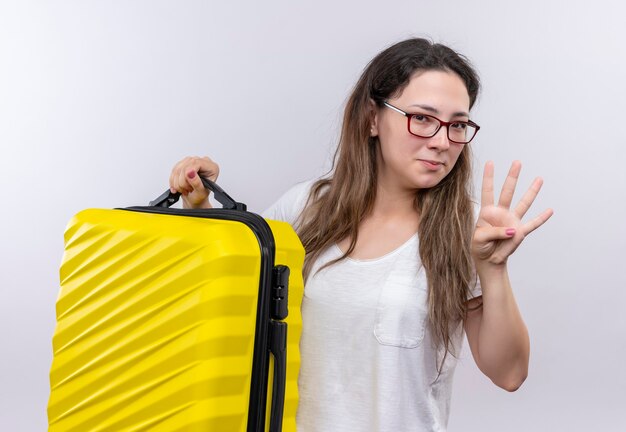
x,y
169,198
278,347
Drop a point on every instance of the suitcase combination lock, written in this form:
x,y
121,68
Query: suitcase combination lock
x,y
280,287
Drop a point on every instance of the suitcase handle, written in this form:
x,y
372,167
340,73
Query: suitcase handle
x,y
278,347
169,198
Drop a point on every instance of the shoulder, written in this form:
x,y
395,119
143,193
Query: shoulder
x,y
289,206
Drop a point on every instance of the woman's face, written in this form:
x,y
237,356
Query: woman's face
x,y
411,162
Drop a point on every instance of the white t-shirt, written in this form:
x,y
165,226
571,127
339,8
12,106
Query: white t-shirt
x,y
367,357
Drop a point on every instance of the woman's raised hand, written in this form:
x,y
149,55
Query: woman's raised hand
x,y
185,178
500,230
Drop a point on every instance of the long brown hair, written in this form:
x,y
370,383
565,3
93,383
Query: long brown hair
x,y
338,204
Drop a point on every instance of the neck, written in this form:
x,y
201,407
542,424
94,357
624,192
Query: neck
x,y
392,201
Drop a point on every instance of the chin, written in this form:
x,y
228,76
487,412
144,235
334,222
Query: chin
x,y
427,182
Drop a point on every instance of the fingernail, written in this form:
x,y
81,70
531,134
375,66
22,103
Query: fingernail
x,y
510,232
191,174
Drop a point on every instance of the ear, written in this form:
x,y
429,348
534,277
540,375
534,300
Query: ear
x,y
373,118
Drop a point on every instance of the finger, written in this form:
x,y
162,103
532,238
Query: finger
x,y
529,197
532,225
175,176
486,198
508,188
184,185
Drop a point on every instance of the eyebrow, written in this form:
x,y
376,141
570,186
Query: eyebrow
x,y
436,111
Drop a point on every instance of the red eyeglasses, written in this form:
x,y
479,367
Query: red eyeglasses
x,y
427,126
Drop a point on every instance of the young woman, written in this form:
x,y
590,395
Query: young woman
x,y
399,260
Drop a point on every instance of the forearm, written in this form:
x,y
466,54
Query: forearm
x,y
503,342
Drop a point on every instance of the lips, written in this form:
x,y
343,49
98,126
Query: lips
x,y
431,164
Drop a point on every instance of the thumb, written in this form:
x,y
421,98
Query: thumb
x,y
194,181
488,234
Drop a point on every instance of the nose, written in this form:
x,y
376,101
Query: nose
x,y
440,140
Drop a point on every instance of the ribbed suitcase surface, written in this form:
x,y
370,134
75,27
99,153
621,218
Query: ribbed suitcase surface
x,y
156,322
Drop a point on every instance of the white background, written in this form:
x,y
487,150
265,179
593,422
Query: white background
x,y
98,99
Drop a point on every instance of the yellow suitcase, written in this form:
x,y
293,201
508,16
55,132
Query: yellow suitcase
x,y
176,320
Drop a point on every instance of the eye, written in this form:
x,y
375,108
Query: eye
x,y
459,126
418,118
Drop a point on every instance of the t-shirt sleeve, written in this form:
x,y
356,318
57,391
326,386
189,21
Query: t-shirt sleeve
x,y
289,206
475,288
